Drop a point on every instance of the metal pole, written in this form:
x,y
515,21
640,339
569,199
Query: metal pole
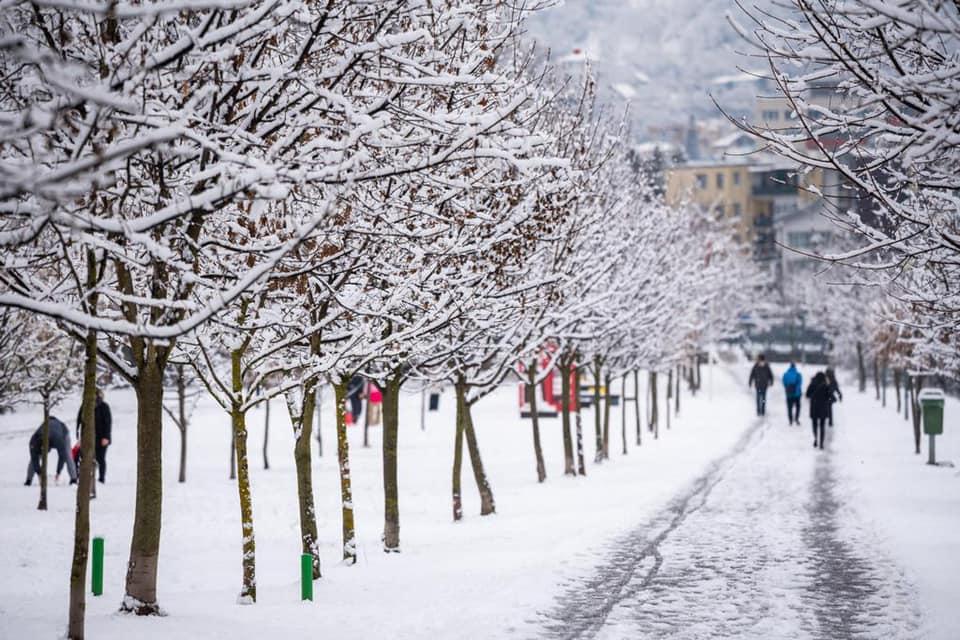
x,y
933,450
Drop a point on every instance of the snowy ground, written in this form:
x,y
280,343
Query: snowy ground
x,y
736,507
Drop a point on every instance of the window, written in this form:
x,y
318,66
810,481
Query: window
x,y
799,239
787,115
771,115
736,177
701,181
736,209
719,181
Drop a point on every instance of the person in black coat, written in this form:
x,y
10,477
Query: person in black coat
x,y
355,396
820,395
103,427
761,377
835,388
58,438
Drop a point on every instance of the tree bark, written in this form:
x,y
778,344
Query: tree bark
x,y
876,376
458,457
883,385
568,463
676,407
487,504
141,582
319,412
238,418
623,412
81,532
907,385
607,380
266,432
343,459
44,453
597,418
669,394
654,413
578,418
636,405
391,429
896,386
535,419
915,410
301,413
366,419
861,368
233,455
182,422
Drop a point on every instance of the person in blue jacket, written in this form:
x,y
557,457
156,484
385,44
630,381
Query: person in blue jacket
x,y
793,389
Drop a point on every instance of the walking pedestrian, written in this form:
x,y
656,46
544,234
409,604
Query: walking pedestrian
x,y
761,377
355,396
375,405
820,395
793,389
58,438
103,427
837,396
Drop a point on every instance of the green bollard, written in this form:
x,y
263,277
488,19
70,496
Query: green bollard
x,y
97,573
306,577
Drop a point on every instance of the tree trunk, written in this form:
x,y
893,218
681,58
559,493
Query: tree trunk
x,y
458,456
636,405
568,463
182,422
535,419
669,395
318,410
391,494
233,455
581,467
861,368
607,380
896,386
141,583
597,418
238,418
44,453
699,378
366,419
81,531
915,410
883,385
266,432
301,413
654,412
487,504
623,412
876,376
343,458
676,407
907,390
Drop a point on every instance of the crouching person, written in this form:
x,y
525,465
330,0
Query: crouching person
x,y
58,438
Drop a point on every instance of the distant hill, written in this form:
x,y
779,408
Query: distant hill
x,y
664,55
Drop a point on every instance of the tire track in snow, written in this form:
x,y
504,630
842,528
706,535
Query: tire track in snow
x,y
585,607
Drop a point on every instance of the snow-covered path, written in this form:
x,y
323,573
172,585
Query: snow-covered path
x,y
760,546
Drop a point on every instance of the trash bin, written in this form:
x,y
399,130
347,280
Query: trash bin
x,y
931,402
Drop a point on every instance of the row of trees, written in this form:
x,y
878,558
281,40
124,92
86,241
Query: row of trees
x,y
277,194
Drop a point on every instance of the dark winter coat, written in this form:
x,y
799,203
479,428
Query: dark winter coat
x,y
761,376
820,394
102,421
834,387
59,436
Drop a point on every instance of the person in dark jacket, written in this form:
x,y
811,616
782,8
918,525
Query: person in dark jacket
x,y
761,377
355,395
820,396
103,426
835,388
57,438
